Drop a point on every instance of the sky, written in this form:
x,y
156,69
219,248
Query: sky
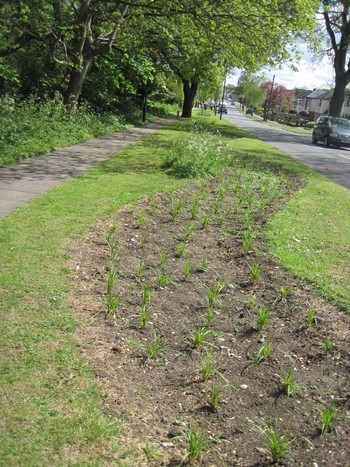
x,y
311,75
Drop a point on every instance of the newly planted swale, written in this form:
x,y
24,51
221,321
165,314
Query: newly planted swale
x,y
235,323
151,379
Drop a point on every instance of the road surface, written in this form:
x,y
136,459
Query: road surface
x,y
333,163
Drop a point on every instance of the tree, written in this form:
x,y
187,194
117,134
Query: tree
x,y
336,18
249,87
277,96
73,34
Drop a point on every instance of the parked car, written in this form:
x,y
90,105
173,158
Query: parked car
x,y
332,131
222,108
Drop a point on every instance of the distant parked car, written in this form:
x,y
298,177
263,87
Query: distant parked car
x,y
332,131
222,108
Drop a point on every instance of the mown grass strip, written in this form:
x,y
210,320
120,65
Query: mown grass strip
x,y
50,403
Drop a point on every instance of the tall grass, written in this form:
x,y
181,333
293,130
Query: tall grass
x,y
33,126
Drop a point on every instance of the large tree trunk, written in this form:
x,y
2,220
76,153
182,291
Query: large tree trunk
x,y
190,91
337,101
75,85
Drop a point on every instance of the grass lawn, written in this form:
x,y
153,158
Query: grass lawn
x,y
50,403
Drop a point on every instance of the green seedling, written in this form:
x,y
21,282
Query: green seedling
x,y
181,250
328,418
144,314
204,221
109,236
248,237
144,239
203,265
176,209
151,451
255,271
251,302
189,231
141,219
140,269
276,443
207,367
162,257
153,346
199,336
214,292
187,268
262,317
288,382
195,207
195,444
215,398
264,351
284,292
163,280
311,317
328,345
146,294
210,317
112,302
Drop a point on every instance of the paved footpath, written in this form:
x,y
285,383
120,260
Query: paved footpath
x,y
22,182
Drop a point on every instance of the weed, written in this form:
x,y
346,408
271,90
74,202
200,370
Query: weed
x,y
328,418
181,250
203,266
207,367
176,209
153,346
264,351
289,384
255,271
146,293
311,318
187,268
262,317
199,336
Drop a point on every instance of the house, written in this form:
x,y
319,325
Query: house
x,y
317,102
300,99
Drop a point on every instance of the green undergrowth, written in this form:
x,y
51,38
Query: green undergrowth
x,y
49,402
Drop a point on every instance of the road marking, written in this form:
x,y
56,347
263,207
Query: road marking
x,y
345,157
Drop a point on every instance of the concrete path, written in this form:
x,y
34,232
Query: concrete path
x,y
22,182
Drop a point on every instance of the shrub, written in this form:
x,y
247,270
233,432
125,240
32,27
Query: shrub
x,y
199,154
310,125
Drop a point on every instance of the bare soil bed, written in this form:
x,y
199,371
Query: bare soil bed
x,y
215,371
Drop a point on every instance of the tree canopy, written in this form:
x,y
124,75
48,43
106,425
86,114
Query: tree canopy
x,y
58,45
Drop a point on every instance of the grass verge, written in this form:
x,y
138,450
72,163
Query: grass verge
x,y
50,404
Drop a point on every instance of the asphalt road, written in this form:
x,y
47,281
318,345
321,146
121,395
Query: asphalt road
x,y
333,163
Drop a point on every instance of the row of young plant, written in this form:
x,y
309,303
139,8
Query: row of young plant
x,y
245,196
241,198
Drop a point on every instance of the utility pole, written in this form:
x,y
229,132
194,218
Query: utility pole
x,y
269,99
223,94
